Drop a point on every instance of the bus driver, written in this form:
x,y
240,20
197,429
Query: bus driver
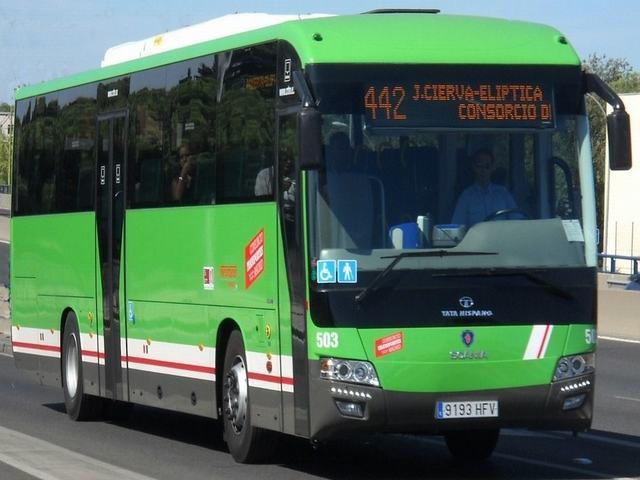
x,y
483,198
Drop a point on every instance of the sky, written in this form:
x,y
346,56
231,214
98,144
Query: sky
x,y
46,39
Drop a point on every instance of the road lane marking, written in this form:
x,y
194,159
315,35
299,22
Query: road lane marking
x,y
612,441
617,339
540,463
630,399
5,241
46,461
558,466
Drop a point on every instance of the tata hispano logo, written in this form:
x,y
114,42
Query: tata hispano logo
x,y
466,302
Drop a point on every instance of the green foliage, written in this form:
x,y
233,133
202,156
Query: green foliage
x,y
627,84
6,150
608,69
5,158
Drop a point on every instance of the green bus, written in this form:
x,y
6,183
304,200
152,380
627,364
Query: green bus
x,y
381,222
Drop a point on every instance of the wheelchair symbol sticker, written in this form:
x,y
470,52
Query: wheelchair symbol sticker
x,y
326,271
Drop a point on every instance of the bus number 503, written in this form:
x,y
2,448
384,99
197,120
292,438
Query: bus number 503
x,y
327,339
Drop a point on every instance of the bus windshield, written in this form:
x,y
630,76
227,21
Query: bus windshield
x,y
408,169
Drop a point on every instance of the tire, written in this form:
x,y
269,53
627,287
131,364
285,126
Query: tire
x,y
79,405
472,444
246,443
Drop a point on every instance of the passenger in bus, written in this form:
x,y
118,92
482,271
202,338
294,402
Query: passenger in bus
x,y
484,198
264,183
263,187
183,175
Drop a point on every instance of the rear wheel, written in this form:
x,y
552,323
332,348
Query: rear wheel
x,y
80,406
472,444
247,444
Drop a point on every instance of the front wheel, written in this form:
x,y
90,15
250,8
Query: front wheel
x,y
247,444
80,406
472,444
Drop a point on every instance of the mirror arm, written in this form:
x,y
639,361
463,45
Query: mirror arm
x,y
303,89
594,84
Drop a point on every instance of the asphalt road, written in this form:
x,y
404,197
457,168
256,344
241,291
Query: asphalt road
x,y
163,445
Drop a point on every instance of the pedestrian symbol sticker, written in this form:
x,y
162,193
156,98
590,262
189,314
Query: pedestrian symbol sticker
x,y
326,271
347,271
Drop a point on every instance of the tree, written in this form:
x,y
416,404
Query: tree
x,y
619,74
5,158
5,107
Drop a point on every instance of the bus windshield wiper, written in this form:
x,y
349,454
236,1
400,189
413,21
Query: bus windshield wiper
x,y
396,258
528,274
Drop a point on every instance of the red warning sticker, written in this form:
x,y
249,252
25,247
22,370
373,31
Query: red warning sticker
x,y
389,344
207,278
254,259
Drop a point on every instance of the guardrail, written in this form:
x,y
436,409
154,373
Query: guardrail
x,y
635,262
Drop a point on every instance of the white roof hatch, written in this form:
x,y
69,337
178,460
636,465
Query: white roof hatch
x,y
201,32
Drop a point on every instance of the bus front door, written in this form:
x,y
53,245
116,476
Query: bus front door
x,y
111,152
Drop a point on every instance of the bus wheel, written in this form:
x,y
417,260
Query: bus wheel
x,y
247,444
472,444
79,405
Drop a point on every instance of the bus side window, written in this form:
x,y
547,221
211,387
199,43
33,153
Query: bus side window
x,y
245,126
288,173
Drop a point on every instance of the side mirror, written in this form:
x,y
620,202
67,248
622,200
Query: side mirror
x,y
619,134
618,127
310,138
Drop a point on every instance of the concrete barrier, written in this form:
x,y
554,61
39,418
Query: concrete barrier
x,y
5,201
618,309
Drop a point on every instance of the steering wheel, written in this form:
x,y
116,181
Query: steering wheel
x,y
506,211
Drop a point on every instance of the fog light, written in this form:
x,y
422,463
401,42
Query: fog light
x,y
352,371
574,366
573,402
343,371
350,409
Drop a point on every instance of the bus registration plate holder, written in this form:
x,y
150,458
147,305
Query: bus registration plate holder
x,y
466,409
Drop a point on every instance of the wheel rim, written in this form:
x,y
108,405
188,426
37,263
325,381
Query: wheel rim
x,y
71,366
235,398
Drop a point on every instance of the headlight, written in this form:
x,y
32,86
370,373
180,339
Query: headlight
x,y
574,366
352,371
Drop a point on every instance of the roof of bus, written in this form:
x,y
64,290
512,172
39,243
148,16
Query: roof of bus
x,y
374,38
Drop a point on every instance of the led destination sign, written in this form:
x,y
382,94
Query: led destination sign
x,y
460,105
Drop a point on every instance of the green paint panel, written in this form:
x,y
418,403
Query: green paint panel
x,y
580,339
52,269
56,250
423,362
166,253
395,38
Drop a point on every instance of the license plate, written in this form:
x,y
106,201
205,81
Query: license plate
x,y
476,409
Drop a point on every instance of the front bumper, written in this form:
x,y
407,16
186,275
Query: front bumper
x,y
536,407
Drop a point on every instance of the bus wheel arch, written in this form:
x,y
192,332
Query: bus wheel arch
x,y
246,442
79,405
225,329
67,313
